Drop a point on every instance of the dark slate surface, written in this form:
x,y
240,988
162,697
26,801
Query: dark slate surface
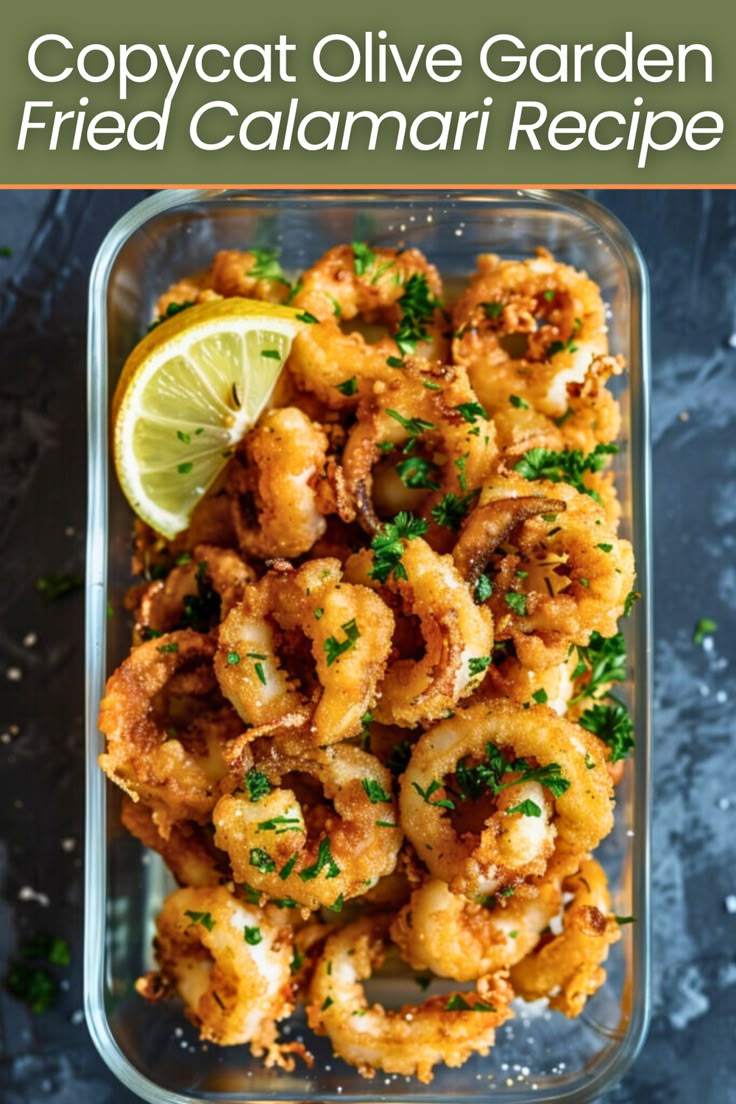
x,y
689,241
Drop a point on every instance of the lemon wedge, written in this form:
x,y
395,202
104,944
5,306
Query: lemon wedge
x,y
189,391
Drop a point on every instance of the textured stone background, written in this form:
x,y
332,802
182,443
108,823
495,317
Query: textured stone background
x,y
689,242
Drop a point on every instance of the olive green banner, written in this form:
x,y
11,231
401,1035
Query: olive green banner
x,y
403,93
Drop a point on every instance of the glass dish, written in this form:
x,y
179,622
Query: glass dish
x,y
539,1056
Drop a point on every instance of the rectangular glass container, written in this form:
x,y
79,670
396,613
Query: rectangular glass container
x,y
539,1055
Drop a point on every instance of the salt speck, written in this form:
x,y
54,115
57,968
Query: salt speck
x,y
13,674
30,640
703,687
708,644
69,531
68,844
26,893
724,803
689,1000
458,233
77,1017
630,833
721,697
730,903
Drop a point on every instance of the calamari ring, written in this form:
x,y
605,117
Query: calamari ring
x,y
507,851
231,273
188,851
323,357
326,850
446,933
234,988
528,328
444,420
411,1040
457,635
177,776
348,628
557,578
188,596
508,678
568,965
273,481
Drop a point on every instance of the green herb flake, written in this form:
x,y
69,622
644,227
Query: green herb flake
x,y
540,696
297,961
605,547
280,824
363,258
33,985
307,316
173,647
432,788
334,648
323,861
266,266
526,808
471,411
53,587
568,466
388,548
271,354
516,603
394,362
253,936
418,474
288,866
611,724
233,659
461,475
326,1003
261,860
479,664
348,387
256,785
374,791
451,509
620,920
185,468
518,402
203,918
483,589
493,310
704,626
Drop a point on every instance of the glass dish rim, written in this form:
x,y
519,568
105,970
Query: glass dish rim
x,y
608,1071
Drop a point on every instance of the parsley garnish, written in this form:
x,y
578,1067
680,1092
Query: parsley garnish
x,y
703,627
171,310
271,354
471,411
473,781
516,602
451,509
394,362
348,387
173,647
603,659
631,597
33,985
337,904
624,919
363,258
611,724
252,936
280,824
326,1003
493,310
526,808
458,1003
233,658
479,664
417,307
288,866
53,587
413,426
307,316
518,402
388,549
266,266
261,860
324,859
297,961
569,345
203,918
257,784
185,468
334,648
400,756
568,466
374,791
432,788
461,476
415,473
483,589
540,696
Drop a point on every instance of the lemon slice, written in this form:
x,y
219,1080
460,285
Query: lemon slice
x,y
189,391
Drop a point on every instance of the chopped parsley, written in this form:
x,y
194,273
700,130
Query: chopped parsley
x,y
307,316
335,648
540,696
394,362
288,866
471,411
417,308
631,597
337,904
703,627
603,659
326,1003
458,1003
479,664
185,468
568,466
323,861
493,310
473,781
261,860
49,948
569,345
374,791
416,473
388,549
53,587
413,426
266,266
280,824
271,354
203,918
171,310
611,724
516,603
233,658
363,258
297,961
526,808
518,402
173,647
461,476
432,788
605,547
348,387
624,920
400,756
451,509
252,936
483,589
257,785
33,985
